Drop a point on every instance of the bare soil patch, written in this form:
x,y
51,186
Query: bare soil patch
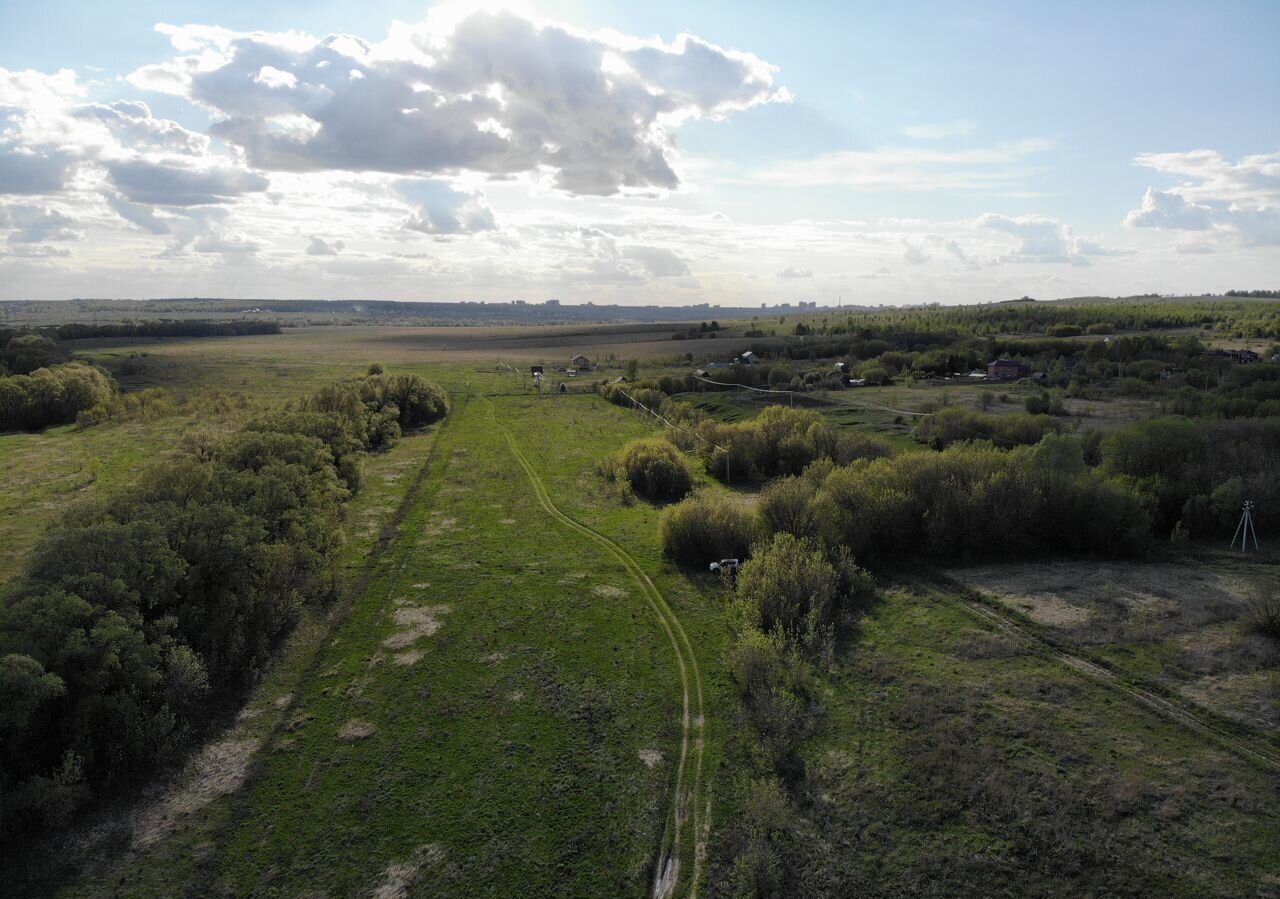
x,y
356,730
650,757
218,770
1068,595
608,591
400,876
414,622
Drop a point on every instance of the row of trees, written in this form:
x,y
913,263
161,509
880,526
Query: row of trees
x,y
968,500
138,615
165,327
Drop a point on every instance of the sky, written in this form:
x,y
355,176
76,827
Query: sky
x,y
669,153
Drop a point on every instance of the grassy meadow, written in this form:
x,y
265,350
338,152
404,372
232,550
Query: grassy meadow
x,y
491,707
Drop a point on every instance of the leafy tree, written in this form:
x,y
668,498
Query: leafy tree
x,y
788,588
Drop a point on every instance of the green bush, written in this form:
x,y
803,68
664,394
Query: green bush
x,y
50,396
707,527
958,423
653,467
789,589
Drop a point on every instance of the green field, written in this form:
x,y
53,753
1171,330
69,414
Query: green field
x,y
516,694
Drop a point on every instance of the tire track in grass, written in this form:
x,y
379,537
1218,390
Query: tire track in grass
x,y
693,717
1248,750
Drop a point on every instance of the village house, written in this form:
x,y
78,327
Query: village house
x,y
581,363
1007,370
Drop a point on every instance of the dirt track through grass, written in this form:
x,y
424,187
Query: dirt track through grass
x,y
1250,750
667,876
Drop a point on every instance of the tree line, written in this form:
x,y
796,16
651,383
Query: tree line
x,y
41,386
140,614
164,327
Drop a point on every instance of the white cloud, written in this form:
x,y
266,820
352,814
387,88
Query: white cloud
x,y
1045,240
938,130
36,251
658,262
175,182
132,123
321,247
36,224
138,214
495,93
1237,201
227,244
444,209
913,253
1162,209
792,272
910,169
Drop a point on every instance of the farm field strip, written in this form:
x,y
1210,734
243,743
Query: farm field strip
x,y
494,745
668,869
1248,749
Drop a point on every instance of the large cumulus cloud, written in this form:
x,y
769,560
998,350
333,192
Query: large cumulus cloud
x,y
494,93
1235,201
1043,240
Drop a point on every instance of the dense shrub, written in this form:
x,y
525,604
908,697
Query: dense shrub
x,y
1263,614
653,467
1199,472
780,441
957,423
706,527
51,396
28,352
789,589
417,401
972,499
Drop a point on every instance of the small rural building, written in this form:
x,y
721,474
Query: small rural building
x,y
747,358
1007,370
581,363
535,369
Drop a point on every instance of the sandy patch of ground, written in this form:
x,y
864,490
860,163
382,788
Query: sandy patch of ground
x,y
1249,697
414,622
1066,594
608,591
650,757
508,521
494,658
399,876
515,696
405,659
356,730
283,700
218,770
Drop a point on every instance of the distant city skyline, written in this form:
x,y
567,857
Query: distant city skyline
x,y
659,153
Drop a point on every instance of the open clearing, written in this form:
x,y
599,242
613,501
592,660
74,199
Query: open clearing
x,y
1178,623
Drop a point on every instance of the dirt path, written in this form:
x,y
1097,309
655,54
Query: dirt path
x,y
1251,750
684,799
